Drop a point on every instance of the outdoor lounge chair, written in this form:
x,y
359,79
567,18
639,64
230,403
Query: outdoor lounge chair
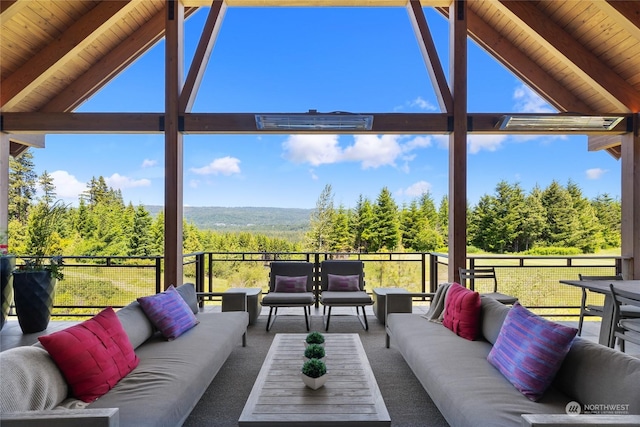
x,y
488,273
342,285
625,329
290,285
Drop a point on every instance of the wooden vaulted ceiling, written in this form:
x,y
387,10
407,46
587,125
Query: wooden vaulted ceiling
x,y
582,56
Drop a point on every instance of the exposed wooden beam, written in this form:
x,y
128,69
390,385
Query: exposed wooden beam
x,y
244,123
521,65
111,64
173,144
458,141
580,60
625,13
9,9
603,142
77,37
202,54
318,3
430,55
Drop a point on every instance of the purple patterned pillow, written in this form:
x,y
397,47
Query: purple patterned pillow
x,y
343,283
529,350
291,284
169,312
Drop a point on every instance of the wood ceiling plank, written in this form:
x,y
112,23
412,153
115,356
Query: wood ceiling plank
x,y
430,56
625,97
104,70
10,8
521,65
79,35
625,13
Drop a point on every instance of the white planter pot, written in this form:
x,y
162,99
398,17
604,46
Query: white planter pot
x,y
314,383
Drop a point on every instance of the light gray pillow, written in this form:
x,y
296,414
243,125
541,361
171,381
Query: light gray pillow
x,y
31,381
135,323
188,293
492,317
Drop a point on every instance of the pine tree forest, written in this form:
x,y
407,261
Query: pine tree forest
x,y
557,219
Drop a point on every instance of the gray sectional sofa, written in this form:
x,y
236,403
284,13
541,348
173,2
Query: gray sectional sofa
x,y
161,391
469,391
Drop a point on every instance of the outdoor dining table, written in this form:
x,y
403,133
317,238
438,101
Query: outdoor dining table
x,y
602,287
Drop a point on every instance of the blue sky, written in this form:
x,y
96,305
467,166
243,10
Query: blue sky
x,y
329,59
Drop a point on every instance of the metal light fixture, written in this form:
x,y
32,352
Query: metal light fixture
x,y
558,123
339,121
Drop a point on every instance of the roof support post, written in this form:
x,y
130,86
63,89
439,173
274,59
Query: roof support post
x,y
458,140
630,227
4,191
173,188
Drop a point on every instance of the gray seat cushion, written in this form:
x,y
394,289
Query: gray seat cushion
x,y
345,298
288,298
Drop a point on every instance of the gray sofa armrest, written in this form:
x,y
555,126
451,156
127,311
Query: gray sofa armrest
x,y
558,420
231,301
108,417
400,303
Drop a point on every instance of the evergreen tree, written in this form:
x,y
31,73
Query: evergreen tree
x,y
563,225
590,236
481,230
387,226
22,186
321,222
48,188
365,234
340,236
533,220
157,235
428,209
140,236
609,215
443,219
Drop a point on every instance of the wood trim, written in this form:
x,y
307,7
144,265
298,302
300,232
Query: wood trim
x,y
458,140
173,143
43,66
579,59
202,54
110,65
625,13
603,142
10,8
430,55
630,197
518,62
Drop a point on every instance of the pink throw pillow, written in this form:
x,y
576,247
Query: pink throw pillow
x,y
343,283
462,311
291,284
93,355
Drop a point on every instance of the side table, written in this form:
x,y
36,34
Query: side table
x,y
380,301
254,295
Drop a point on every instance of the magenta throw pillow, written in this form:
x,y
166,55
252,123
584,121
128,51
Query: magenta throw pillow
x,y
169,312
93,355
462,311
343,283
529,350
291,284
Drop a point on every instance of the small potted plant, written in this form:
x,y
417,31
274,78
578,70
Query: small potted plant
x,y
314,338
314,351
314,373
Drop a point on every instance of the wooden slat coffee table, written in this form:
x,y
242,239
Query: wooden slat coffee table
x,y
349,397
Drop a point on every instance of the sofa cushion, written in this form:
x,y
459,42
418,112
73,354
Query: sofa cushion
x,y
169,312
290,284
31,381
529,350
188,294
135,323
339,283
462,311
492,318
93,355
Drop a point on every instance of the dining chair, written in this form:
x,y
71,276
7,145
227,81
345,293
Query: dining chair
x,y
290,285
598,310
625,329
342,285
486,273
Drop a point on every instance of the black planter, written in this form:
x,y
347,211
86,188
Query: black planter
x,y
33,295
7,264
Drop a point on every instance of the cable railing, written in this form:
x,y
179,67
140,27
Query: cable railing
x,y
92,283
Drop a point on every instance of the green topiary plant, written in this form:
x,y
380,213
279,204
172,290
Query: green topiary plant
x,y
314,368
315,338
314,351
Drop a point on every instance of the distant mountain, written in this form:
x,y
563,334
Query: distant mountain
x,y
243,218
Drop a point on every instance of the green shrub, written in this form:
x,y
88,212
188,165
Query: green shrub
x,y
315,338
314,368
553,250
314,351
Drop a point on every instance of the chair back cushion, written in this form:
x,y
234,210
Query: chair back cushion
x,y
291,269
341,268
291,284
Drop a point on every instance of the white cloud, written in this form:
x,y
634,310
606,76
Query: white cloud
x,y
194,183
221,166
67,186
313,174
423,104
313,149
147,163
417,189
527,101
484,142
374,151
595,173
118,181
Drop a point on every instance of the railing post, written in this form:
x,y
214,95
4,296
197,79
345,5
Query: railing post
x,y
433,271
200,272
472,282
316,283
210,265
158,274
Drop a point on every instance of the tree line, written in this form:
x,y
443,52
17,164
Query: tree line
x,y
509,220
